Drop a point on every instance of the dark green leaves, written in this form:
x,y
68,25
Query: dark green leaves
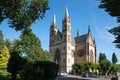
x,y
22,13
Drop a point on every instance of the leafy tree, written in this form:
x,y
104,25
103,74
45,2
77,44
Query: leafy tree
x,y
1,40
113,8
105,66
8,43
30,45
94,66
114,68
16,63
4,57
102,56
87,66
22,13
78,68
114,58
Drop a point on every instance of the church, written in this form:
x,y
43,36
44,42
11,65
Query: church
x,y
66,49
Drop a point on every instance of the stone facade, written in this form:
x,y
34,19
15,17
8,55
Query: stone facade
x,y
67,50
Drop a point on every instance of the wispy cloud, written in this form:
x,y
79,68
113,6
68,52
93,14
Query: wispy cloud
x,y
101,32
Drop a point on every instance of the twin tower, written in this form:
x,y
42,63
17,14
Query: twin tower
x,y
67,50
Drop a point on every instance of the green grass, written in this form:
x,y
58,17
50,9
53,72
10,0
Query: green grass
x,y
4,75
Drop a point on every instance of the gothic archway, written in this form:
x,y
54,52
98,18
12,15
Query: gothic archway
x,y
57,56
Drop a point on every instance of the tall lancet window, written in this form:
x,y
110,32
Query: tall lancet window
x,y
57,57
91,56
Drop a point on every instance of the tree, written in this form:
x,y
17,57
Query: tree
x,y
114,58
1,40
105,66
22,13
94,66
16,63
77,68
114,68
113,8
30,45
102,56
8,43
4,57
87,66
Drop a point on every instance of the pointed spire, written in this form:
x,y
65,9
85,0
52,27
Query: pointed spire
x,y
77,33
88,28
66,12
54,19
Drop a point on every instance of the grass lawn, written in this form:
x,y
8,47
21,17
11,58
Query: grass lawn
x,y
4,75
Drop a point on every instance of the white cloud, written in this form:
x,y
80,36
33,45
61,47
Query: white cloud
x,y
102,33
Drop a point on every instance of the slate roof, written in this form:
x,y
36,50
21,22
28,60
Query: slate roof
x,y
81,39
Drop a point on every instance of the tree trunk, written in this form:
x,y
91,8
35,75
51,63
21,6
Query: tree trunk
x,y
13,76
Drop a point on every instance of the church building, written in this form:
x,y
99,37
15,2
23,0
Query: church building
x,y
66,49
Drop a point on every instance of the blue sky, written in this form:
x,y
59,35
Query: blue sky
x,y
82,13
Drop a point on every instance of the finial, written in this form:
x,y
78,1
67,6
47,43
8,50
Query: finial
x,y
77,32
88,28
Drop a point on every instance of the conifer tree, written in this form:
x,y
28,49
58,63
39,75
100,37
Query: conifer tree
x,y
114,58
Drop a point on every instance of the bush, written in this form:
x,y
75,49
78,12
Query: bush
x,y
39,70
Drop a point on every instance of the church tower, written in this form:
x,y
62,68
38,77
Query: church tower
x,y
53,30
66,27
67,42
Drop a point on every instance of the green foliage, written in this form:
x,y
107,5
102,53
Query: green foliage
x,y
16,63
22,13
113,8
30,45
114,58
87,66
102,56
1,40
114,68
4,57
39,70
77,68
105,66
94,66
116,32
8,44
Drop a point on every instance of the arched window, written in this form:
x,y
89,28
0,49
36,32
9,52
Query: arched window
x,y
57,56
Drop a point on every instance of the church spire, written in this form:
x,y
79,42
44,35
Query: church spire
x,y
66,13
66,17
88,28
54,19
54,24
